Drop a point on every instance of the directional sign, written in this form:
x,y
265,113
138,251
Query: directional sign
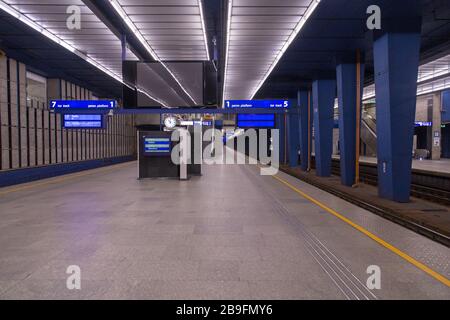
x,y
82,104
279,104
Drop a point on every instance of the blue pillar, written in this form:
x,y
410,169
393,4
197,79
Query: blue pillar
x,y
396,60
304,135
281,127
346,91
324,93
293,135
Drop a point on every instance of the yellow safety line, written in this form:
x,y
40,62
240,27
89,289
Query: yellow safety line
x,y
61,179
380,241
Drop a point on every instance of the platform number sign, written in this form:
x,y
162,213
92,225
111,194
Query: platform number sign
x,y
263,104
59,105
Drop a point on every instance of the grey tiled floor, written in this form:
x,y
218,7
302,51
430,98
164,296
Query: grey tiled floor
x,y
230,234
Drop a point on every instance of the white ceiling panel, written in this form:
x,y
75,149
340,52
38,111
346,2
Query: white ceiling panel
x,y
94,42
166,18
175,24
258,33
270,11
159,2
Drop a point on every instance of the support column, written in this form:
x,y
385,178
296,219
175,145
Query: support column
x,y
305,130
293,135
396,61
324,93
346,91
280,119
436,127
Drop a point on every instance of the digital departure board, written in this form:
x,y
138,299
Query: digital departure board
x,y
83,121
255,121
156,146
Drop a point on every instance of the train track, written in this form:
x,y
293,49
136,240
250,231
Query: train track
x,y
425,185
368,175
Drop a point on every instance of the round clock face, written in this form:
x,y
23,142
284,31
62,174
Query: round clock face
x,y
170,122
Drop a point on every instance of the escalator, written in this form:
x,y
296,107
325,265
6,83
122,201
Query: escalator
x,y
369,131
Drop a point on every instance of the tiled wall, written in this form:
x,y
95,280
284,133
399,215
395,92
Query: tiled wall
x,y
31,135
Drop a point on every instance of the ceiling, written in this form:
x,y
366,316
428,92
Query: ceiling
x,y
337,28
94,39
258,32
49,59
258,49
174,29
432,76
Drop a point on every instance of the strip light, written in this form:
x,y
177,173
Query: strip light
x,y
200,4
309,11
16,14
291,38
227,43
116,5
152,97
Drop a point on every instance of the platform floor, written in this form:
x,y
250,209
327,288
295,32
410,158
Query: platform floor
x,y
438,166
230,234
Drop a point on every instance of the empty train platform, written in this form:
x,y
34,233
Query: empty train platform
x,y
225,158
230,234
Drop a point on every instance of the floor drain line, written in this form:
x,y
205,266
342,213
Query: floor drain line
x,y
341,275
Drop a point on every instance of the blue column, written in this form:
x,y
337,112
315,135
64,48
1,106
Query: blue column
x,y
293,135
346,91
396,60
324,93
281,127
304,147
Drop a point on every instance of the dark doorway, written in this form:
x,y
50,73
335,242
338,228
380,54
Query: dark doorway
x,y
445,133
422,137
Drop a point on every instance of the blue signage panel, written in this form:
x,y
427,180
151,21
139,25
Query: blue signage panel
x,y
154,146
83,121
255,121
423,124
257,104
82,104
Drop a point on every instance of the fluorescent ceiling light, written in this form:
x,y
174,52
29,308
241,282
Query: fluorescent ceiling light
x,y
227,45
116,5
200,4
152,97
16,14
291,38
256,74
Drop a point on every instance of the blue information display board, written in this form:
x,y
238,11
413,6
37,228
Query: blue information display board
x,y
255,121
156,146
423,124
83,121
82,104
257,104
